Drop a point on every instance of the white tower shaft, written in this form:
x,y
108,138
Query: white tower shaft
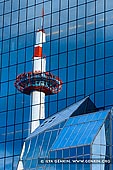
x,y
38,98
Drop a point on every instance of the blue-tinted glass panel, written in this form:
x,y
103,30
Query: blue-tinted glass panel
x,y
87,149
90,37
99,83
81,11
9,149
99,20
108,81
83,132
80,55
90,23
90,8
2,149
109,33
108,48
72,14
100,6
32,144
89,85
38,145
45,144
72,152
80,87
109,5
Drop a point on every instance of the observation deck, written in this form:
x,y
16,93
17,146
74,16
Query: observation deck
x,y
38,81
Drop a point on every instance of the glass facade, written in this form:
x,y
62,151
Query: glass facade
x,y
78,48
74,138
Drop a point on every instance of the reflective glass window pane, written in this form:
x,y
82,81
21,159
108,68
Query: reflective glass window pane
x,y
108,81
80,55
109,5
4,104
89,69
2,118
99,98
47,7
80,71
108,31
55,32
81,40
18,131
108,65
6,33
33,163
71,58
72,14
4,88
22,15
81,11
54,47
100,51
72,152
10,133
90,53
64,5
9,148
9,163
79,151
10,114
99,67
1,8
14,30
7,19
71,89
3,134
90,8
72,3
108,48
14,17
22,28
87,149
5,46
90,38
55,5
99,83
72,28
72,42
62,60
71,73
30,26
63,16
80,25
63,45
23,3
99,20
89,85
108,100
90,23
30,12
17,150
100,6
2,164
15,5
80,87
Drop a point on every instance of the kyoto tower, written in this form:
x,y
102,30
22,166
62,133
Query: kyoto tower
x,y
38,82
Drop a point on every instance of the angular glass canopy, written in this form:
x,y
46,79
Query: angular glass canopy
x,y
81,107
65,133
80,130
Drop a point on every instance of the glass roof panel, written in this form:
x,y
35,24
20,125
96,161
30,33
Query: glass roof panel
x,y
80,130
58,118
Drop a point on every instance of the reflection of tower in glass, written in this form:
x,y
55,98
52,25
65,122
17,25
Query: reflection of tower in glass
x,y
38,83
